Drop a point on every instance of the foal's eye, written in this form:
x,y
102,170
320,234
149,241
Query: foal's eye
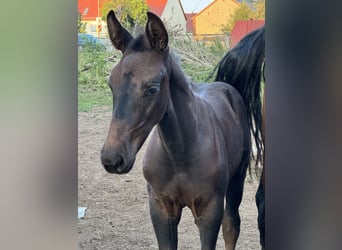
x,y
151,91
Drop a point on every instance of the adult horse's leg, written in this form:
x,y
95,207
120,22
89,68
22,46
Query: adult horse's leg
x,y
165,219
260,201
260,195
208,217
231,219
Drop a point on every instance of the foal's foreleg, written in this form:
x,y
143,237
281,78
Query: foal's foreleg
x,y
165,219
230,229
208,216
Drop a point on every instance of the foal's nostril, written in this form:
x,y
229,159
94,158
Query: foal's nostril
x,y
111,159
112,162
119,160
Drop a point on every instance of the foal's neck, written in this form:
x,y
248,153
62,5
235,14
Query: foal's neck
x,y
180,85
178,126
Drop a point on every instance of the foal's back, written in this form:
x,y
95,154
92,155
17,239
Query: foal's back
x,y
229,108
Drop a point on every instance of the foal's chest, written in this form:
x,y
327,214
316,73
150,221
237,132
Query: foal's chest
x,y
181,186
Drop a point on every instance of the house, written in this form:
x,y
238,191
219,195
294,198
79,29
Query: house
x,y
210,21
91,17
170,11
242,28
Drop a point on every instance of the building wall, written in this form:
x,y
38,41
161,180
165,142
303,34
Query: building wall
x,y
91,28
90,12
173,14
211,19
243,27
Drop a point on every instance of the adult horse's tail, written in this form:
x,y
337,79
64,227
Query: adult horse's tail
x,y
242,68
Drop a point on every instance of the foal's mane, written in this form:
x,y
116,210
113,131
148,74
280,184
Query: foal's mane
x,y
138,44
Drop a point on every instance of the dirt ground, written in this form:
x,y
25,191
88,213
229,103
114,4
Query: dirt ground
x,y
117,215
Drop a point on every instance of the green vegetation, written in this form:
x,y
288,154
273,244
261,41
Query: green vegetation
x,y
129,12
94,66
198,60
80,25
89,99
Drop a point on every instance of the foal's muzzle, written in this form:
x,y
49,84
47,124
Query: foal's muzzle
x,y
115,162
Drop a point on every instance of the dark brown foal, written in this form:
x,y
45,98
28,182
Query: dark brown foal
x,y
199,150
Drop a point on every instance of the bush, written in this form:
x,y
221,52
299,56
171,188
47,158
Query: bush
x,y
199,58
94,66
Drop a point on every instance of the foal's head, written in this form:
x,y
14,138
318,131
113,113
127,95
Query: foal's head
x,y
139,83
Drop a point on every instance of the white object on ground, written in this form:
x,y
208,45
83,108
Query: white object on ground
x,y
81,212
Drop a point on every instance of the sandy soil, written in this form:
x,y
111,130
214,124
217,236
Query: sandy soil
x,y
117,215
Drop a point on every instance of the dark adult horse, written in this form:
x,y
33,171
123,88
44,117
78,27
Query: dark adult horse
x,y
238,67
200,149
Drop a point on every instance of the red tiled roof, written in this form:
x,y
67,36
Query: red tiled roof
x,y
156,6
89,8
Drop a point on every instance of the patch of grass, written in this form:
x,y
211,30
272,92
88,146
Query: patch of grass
x,y
94,66
88,99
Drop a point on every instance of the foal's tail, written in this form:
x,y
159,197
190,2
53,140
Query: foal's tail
x,y
242,67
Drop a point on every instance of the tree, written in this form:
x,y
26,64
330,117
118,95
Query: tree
x,y
129,12
80,26
259,10
245,11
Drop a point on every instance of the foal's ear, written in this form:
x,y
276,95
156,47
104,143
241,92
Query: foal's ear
x,y
119,36
156,32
